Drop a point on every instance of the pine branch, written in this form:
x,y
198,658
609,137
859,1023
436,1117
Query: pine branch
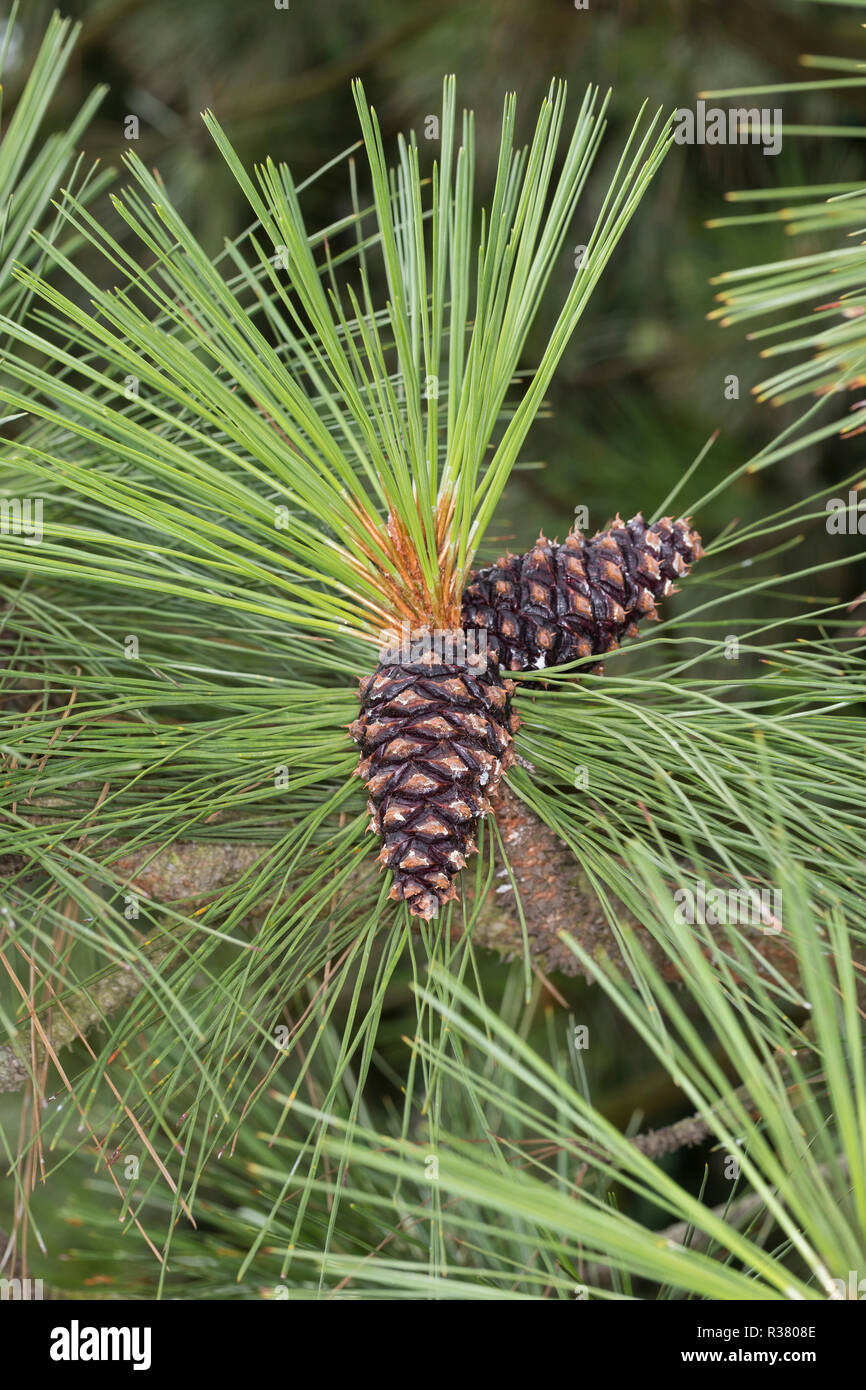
x,y
687,1133
556,899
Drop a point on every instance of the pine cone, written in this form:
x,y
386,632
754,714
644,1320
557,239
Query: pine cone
x,y
435,737
559,603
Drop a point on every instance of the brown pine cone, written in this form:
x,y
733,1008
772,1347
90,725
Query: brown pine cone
x,y
435,737
559,603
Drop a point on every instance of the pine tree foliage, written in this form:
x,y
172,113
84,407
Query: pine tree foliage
x,y
253,467
824,289
32,167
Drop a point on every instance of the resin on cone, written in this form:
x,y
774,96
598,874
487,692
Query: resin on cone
x,y
435,737
560,603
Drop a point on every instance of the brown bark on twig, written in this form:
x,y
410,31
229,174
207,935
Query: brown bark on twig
x,y
683,1134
